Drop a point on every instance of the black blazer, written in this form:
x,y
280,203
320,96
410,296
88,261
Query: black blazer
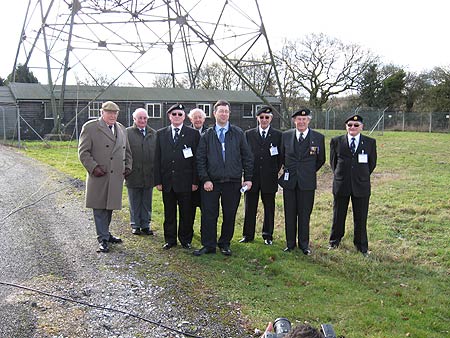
x,y
350,176
265,166
302,167
172,169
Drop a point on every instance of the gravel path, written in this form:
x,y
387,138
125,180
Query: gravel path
x,y
47,243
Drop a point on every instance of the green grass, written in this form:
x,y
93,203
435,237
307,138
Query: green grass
x,y
401,290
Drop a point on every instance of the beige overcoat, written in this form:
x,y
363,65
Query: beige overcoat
x,y
99,146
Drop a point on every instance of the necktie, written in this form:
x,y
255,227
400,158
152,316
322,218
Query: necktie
x,y
353,145
300,138
143,132
222,142
176,136
111,128
263,134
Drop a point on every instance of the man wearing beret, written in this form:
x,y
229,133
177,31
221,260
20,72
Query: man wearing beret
x,y
303,154
265,143
105,153
176,176
353,158
225,165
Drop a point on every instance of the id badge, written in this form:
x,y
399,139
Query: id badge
x,y
187,152
363,158
286,176
273,150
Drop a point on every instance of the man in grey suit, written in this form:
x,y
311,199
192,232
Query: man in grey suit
x,y
303,154
353,157
140,182
105,153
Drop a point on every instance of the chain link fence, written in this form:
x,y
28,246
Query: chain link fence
x,y
14,128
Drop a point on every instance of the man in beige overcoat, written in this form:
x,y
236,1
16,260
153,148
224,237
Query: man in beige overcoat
x,y
105,153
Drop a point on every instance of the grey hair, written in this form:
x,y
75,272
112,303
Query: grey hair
x,y
195,110
138,111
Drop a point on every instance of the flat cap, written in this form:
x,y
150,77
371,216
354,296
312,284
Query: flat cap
x,y
355,118
177,106
264,110
111,106
302,112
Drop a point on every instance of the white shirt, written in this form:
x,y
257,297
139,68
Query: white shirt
x,y
305,133
261,130
349,140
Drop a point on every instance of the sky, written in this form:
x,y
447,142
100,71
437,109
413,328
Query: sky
x,y
412,34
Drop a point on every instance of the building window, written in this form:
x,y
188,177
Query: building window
x,y
206,107
94,109
47,111
247,110
154,110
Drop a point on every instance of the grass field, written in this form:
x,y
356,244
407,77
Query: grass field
x,y
401,290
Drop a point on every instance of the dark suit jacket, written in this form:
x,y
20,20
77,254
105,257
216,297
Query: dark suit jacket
x,y
302,167
172,169
265,166
350,176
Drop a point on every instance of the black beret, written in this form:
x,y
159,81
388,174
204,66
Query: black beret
x,y
177,106
302,112
355,118
264,110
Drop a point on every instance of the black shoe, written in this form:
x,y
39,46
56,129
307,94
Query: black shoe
x,y
113,239
136,231
288,249
307,252
204,250
187,246
147,231
226,251
366,253
103,246
167,246
268,242
245,240
332,247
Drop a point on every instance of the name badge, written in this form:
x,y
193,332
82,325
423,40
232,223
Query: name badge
x,y
273,150
187,152
286,176
363,158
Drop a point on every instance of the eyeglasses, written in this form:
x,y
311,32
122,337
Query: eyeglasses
x,y
264,117
176,114
353,125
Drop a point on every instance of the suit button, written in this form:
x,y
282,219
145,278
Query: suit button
x,y
111,158
111,171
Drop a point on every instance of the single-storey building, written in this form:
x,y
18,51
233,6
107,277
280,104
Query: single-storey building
x,y
81,103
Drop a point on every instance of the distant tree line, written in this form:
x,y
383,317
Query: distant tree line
x,y
313,71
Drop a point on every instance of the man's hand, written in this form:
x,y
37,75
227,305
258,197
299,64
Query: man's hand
x,y
127,172
159,187
98,172
194,187
248,184
208,186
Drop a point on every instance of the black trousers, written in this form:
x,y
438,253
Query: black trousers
x,y
298,205
251,209
183,200
229,196
360,206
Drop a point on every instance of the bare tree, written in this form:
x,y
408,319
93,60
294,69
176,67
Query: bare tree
x,y
216,76
320,66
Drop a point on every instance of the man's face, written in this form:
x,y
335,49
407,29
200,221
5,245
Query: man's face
x,y
141,119
301,123
222,115
354,127
109,116
197,120
264,120
176,117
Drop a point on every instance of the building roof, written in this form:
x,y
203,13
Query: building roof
x,y
37,91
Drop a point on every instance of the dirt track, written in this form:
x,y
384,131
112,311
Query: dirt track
x,y
47,242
